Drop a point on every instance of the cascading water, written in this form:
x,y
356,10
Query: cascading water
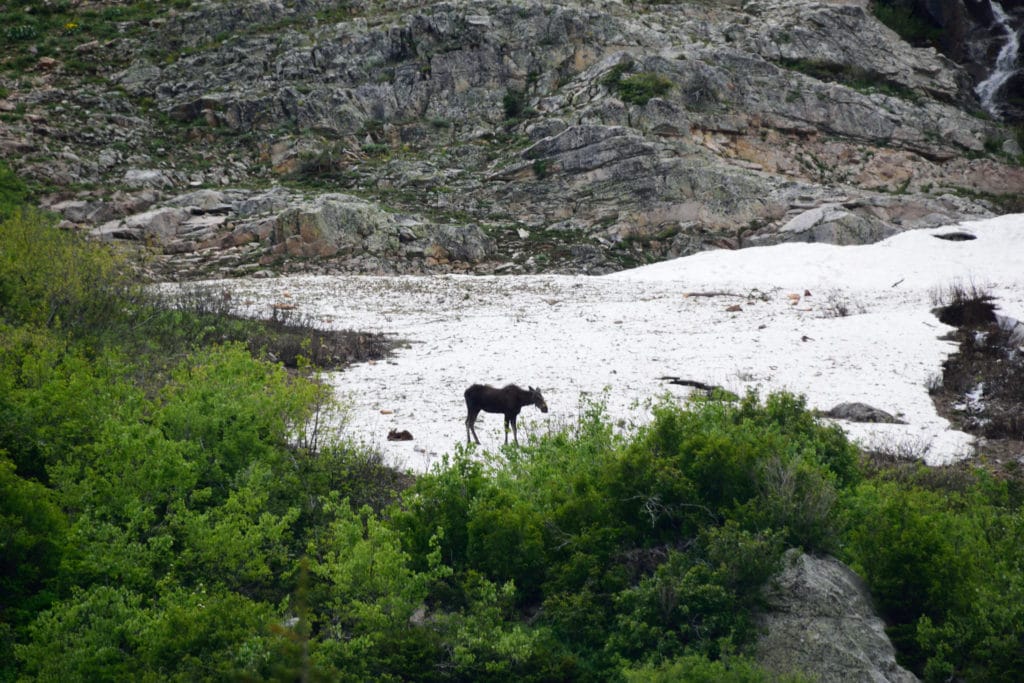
x,y
1005,66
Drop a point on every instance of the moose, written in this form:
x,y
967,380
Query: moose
x,y
508,400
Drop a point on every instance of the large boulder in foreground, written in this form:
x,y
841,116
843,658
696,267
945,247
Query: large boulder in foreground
x,y
820,621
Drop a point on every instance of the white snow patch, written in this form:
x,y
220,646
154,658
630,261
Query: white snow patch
x,y
613,337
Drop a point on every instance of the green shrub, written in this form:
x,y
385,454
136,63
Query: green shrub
x,y
941,554
51,278
54,400
899,15
107,634
769,464
32,529
506,542
640,88
614,75
682,607
232,411
84,638
442,500
541,168
514,103
918,556
13,192
700,669
637,88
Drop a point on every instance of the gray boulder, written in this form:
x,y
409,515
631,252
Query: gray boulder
x,y
832,224
328,225
820,621
861,412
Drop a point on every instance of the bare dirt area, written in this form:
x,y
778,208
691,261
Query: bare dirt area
x,y
982,387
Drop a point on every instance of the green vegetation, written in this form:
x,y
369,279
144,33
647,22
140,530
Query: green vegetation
x,y
13,191
172,507
1007,202
854,77
636,88
640,88
541,168
516,105
35,29
900,17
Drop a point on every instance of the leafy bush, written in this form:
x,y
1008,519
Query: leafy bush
x,y
13,191
514,102
32,529
614,75
235,411
54,399
48,278
106,634
700,669
944,568
506,541
642,87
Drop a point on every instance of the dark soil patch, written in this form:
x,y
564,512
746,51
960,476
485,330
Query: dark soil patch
x,y
201,317
968,311
957,236
323,349
982,393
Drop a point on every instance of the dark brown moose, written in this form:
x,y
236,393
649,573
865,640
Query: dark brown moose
x,y
508,400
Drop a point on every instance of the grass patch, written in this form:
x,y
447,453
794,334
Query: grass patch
x,y
1002,203
638,88
857,78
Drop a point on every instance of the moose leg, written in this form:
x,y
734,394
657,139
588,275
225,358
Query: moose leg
x,y
470,429
506,428
515,434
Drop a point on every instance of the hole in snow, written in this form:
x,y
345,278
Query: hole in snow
x,y
956,236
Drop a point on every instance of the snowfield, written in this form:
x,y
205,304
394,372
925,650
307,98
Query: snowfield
x,y
834,323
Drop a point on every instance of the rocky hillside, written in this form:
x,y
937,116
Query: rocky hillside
x,y
252,137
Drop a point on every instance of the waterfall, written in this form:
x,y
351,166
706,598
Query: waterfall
x,y
1005,63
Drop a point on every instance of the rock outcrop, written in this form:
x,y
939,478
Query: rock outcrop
x,y
475,135
210,232
820,622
